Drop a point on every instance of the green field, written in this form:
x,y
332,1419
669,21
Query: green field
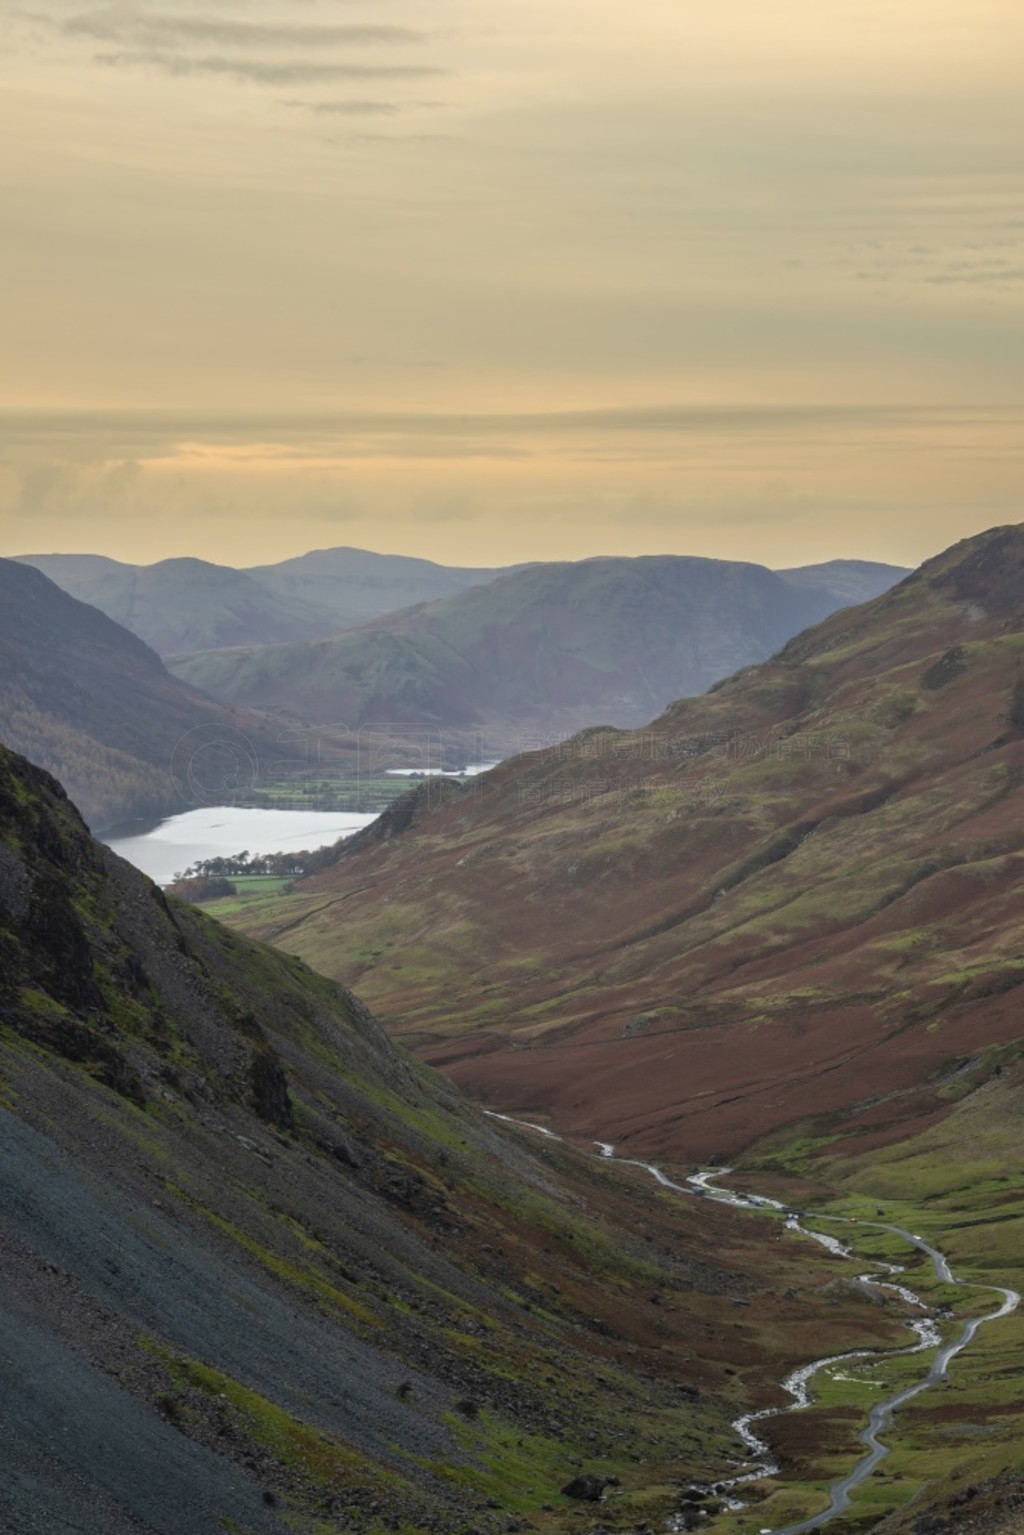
x,y
365,796
250,889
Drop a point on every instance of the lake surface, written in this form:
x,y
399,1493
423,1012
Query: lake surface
x,y
471,771
167,849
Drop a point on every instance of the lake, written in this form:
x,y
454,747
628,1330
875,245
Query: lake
x,y
472,771
220,830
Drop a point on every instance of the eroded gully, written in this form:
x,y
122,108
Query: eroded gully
x,y
796,1385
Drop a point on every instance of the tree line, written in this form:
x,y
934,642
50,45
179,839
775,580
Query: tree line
x,y
238,865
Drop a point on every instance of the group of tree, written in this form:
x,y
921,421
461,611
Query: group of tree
x,y
240,865
209,879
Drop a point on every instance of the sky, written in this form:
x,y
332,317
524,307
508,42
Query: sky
x,y
496,280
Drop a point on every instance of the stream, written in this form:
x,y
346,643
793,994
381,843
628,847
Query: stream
x,y
796,1385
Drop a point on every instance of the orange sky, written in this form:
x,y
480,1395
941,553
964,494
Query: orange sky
x,y
510,280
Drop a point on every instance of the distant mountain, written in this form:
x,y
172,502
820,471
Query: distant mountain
x,y
92,704
849,581
795,900
599,641
263,1273
349,587
184,605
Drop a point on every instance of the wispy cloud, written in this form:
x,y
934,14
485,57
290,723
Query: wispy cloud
x,y
987,274
297,72
346,108
146,432
151,30
933,266
253,51
400,138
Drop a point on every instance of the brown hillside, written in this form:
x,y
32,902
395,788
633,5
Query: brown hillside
x,y
797,895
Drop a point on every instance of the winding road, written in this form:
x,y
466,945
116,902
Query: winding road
x,y
797,1384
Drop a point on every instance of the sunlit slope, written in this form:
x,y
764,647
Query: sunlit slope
x,y
802,890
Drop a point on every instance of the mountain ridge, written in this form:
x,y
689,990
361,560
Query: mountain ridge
x,y
551,647
182,606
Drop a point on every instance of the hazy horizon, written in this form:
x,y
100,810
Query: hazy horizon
x,y
523,281
22,554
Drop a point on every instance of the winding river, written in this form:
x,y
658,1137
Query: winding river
x,y
797,1384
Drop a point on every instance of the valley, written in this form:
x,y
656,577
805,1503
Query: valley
x,y
779,926
772,935
291,1262
511,768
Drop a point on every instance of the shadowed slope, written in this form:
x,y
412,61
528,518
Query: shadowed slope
x,y
92,704
263,1273
181,605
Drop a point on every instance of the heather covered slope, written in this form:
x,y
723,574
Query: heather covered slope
x,y
263,1273
88,701
551,647
800,894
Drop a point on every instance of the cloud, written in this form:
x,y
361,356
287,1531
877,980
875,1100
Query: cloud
x,y
980,266
400,138
43,486
104,435
193,44
162,31
346,108
986,274
256,72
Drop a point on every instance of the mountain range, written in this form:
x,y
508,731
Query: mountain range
x,y
182,605
547,648
796,898
85,698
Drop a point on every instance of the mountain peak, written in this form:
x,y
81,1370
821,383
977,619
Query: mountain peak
x,y
987,569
